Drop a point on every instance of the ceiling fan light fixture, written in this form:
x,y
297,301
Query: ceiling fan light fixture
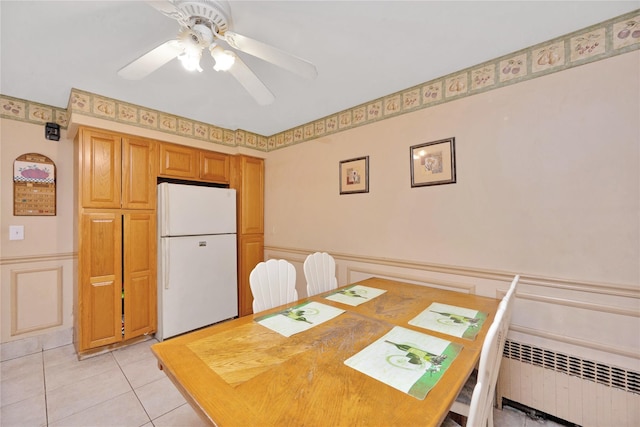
x,y
190,56
192,42
224,58
190,61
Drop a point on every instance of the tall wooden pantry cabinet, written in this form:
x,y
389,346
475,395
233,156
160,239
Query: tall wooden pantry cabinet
x,y
115,234
249,183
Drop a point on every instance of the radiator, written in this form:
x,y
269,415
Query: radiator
x,y
573,389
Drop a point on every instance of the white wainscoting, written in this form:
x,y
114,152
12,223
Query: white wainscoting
x,y
36,299
36,303
594,321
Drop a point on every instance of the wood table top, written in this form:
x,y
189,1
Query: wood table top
x,y
240,373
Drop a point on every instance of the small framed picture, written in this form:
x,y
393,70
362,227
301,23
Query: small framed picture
x,y
354,175
433,163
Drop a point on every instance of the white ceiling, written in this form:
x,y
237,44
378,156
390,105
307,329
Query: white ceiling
x,y
362,49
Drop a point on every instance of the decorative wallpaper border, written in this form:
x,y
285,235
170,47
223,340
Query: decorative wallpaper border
x,y
601,41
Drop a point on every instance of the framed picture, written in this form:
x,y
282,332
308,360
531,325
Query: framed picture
x,y
433,163
354,175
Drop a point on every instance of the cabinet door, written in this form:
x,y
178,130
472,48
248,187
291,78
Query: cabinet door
x,y
250,253
252,195
100,279
214,167
139,170
178,161
100,169
139,274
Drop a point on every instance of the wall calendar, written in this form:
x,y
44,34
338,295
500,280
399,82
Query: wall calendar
x,y
34,185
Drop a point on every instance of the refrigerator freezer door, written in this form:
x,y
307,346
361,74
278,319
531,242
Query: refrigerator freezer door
x,y
187,210
197,282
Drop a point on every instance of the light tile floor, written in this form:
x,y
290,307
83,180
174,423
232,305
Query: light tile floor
x,y
121,388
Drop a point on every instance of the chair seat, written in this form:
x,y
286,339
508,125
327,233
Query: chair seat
x,y
463,401
448,422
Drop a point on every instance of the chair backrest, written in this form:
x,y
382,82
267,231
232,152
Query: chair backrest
x,y
481,406
508,300
320,272
273,283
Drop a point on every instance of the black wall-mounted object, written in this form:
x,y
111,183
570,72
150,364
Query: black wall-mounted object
x,y
52,131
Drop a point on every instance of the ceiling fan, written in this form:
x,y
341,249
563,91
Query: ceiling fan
x,y
203,25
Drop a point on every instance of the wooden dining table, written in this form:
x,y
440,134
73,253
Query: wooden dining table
x,y
241,373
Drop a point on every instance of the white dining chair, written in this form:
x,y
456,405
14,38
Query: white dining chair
x,y
489,359
273,283
320,272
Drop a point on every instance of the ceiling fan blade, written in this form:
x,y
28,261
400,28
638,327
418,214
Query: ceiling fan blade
x,y
271,54
151,61
251,82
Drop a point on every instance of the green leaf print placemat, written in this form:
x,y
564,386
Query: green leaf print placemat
x,y
298,318
451,320
355,295
407,360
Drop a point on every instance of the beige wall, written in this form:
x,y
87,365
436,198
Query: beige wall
x,y
37,272
548,186
547,182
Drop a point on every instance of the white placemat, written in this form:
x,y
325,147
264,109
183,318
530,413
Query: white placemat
x,y
451,320
406,360
298,318
355,295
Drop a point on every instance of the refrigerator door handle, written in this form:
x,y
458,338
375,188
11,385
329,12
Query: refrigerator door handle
x,y
165,265
164,201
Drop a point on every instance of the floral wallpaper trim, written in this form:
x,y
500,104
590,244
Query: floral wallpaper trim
x,y
32,112
597,42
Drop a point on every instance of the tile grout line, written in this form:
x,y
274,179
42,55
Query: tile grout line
x,y
44,384
96,404
132,389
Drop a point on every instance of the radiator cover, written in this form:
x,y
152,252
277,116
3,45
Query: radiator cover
x,y
577,390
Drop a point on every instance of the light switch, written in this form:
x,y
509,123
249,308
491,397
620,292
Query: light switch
x,y
16,232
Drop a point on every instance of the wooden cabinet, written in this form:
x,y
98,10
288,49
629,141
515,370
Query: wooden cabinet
x,y
250,253
116,236
139,265
115,287
117,172
251,197
100,279
214,167
248,179
181,162
139,173
100,173
178,161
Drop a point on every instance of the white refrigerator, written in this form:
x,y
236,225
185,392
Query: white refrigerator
x,y
197,258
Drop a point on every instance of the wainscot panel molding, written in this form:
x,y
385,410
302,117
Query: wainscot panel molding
x,y
476,273
38,258
28,289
